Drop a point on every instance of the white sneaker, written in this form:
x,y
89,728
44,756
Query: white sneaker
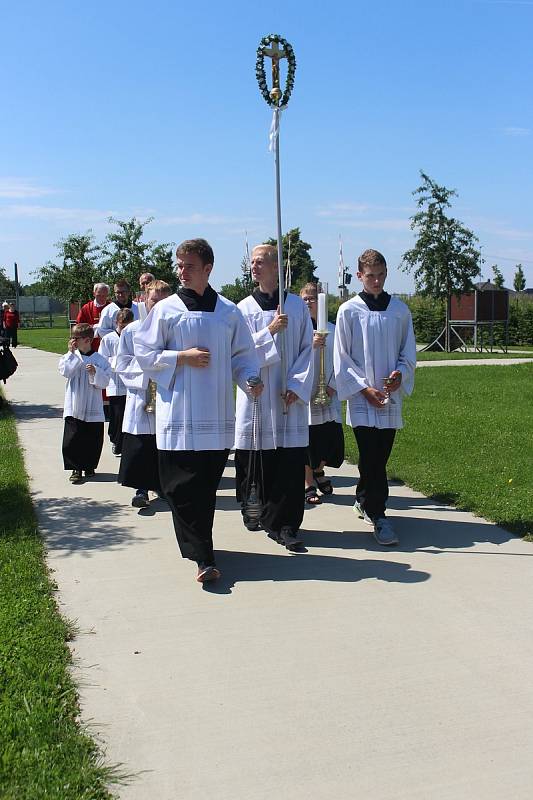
x,y
384,533
361,513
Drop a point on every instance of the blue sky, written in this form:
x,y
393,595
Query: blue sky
x,y
153,110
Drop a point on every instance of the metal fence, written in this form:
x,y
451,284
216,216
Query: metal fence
x,y
37,311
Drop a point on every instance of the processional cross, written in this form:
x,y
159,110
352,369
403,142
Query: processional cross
x,y
276,55
276,48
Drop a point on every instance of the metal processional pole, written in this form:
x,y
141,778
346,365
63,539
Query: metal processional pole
x,y
269,47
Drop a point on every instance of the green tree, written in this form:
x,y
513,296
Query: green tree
x,y
74,277
302,265
33,289
242,287
445,259
7,287
519,281
126,255
498,277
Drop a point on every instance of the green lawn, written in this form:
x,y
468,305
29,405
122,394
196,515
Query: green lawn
x,y
458,356
54,340
44,750
468,440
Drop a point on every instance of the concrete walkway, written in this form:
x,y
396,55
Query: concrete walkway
x,y
344,672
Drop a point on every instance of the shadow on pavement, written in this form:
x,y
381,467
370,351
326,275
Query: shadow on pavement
x,y
103,477
239,567
415,533
80,525
433,531
34,411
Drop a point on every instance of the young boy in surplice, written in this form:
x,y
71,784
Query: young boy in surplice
x,y
375,360
87,373
116,390
326,437
139,467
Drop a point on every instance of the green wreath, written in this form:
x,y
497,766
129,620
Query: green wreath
x,y
261,75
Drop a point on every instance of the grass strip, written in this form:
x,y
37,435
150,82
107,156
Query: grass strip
x,y
460,356
53,340
468,441
45,753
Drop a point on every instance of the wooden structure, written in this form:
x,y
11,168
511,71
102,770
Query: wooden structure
x,y
473,316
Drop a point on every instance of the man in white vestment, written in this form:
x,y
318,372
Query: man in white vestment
x,y
195,344
375,360
283,431
139,467
108,317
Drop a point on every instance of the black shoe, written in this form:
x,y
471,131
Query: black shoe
x,y
141,499
89,473
251,524
76,476
286,537
289,539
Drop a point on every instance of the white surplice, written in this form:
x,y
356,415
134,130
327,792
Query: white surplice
x,y
136,420
276,428
195,407
108,318
369,345
108,349
83,394
318,414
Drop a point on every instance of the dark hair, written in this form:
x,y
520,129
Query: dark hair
x,y
201,247
123,284
125,315
370,258
82,329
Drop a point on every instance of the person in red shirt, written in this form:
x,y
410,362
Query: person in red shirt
x,y
90,312
11,322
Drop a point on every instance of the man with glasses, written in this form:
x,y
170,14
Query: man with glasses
x,y
195,345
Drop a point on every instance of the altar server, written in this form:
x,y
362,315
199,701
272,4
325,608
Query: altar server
x,y
87,374
194,344
108,317
326,437
138,466
283,437
116,391
375,360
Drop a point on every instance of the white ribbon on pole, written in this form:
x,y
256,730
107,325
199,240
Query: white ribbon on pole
x,y
274,128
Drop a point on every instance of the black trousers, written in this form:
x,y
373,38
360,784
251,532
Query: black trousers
x,y
139,463
281,485
189,480
12,333
82,443
375,445
116,418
